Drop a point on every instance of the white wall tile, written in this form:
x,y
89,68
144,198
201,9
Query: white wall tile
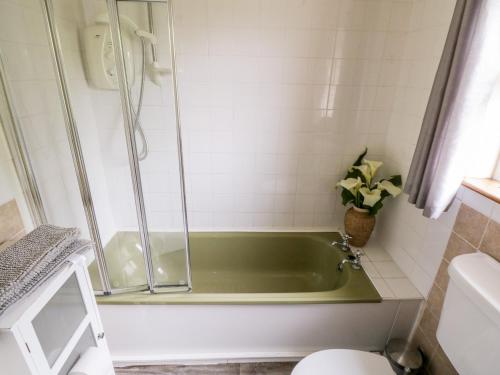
x,y
382,288
478,202
388,269
402,288
495,216
415,35
277,97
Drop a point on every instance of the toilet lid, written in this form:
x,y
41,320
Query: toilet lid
x,y
343,361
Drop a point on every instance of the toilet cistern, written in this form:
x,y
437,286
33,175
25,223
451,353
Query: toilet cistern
x,y
469,325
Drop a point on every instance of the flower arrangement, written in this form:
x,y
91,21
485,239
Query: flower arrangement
x,y
360,189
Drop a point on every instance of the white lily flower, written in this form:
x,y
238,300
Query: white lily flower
x,y
365,170
389,187
370,197
351,184
373,165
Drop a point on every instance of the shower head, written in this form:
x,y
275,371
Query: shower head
x,y
151,38
132,26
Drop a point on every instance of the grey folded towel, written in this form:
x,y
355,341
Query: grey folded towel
x,y
29,261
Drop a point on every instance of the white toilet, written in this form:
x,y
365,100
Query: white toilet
x,y
468,331
343,361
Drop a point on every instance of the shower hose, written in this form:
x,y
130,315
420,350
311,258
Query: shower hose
x,y
136,112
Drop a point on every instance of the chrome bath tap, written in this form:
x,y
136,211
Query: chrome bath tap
x,y
344,243
354,260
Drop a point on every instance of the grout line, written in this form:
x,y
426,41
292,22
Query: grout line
x,y
395,318
463,239
484,234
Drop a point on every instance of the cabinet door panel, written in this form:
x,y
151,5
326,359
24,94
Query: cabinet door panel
x,y
57,321
86,341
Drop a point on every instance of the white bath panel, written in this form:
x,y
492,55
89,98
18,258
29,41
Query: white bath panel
x,y
207,333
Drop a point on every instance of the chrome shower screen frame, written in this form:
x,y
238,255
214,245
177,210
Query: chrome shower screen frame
x,y
74,143
135,172
78,157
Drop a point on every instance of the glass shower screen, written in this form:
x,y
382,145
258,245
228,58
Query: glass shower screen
x,y
145,73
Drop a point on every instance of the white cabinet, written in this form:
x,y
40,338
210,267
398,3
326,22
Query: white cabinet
x,y
47,331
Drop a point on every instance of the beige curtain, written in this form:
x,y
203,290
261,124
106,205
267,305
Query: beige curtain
x,y
466,77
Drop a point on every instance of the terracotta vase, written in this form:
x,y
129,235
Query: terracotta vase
x,y
359,225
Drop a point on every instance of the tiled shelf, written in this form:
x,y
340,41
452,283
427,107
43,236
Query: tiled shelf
x,y
386,276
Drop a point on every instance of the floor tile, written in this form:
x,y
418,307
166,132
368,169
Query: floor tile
x,y
224,369
278,368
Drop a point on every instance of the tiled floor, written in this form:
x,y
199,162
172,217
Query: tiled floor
x,y
270,368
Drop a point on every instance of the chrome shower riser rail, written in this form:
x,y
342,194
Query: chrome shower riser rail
x,y
19,152
152,30
74,143
135,172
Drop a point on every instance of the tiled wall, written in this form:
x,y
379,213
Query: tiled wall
x,y
24,45
415,243
277,99
287,83
69,21
11,224
7,173
476,228
10,191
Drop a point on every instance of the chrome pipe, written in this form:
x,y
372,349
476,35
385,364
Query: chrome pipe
x,y
74,143
175,91
19,152
133,158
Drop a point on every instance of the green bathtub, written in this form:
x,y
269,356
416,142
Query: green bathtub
x,y
238,268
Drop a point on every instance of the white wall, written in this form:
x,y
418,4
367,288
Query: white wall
x,y
277,99
416,243
24,43
69,21
9,186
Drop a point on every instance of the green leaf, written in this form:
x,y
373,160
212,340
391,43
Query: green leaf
x,y
376,207
361,157
355,173
396,180
347,196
